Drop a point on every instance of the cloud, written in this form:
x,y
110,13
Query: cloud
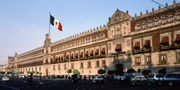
x,y
3,60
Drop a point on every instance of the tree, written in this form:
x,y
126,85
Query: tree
x,y
33,72
9,72
21,72
131,70
69,71
101,71
162,71
146,72
40,73
111,72
76,72
119,72
28,72
2,72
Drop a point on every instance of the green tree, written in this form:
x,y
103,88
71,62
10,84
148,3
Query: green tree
x,y
28,72
76,72
101,71
162,71
40,73
21,72
146,72
69,71
131,70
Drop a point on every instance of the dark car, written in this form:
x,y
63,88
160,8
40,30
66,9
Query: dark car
x,y
172,79
74,78
53,76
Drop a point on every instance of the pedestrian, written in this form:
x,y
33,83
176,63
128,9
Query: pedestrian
x,y
41,80
114,79
25,79
118,80
31,79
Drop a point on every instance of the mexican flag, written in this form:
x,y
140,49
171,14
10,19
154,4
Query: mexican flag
x,y
55,23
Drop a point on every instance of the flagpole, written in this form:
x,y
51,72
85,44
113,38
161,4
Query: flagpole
x,y
49,22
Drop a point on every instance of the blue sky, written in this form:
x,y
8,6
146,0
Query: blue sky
x,y
24,23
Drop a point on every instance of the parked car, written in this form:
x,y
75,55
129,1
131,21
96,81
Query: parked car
x,y
53,76
5,78
21,76
157,77
171,79
140,79
126,78
98,79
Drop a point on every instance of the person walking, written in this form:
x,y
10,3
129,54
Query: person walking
x,y
118,80
41,80
31,79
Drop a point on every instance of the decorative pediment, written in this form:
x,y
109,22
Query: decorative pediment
x,y
118,16
47,42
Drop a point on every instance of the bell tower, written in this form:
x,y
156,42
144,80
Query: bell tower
x,y
47,49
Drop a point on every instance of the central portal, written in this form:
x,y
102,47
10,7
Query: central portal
x,y
119,67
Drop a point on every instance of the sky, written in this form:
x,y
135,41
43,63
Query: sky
x,y
24,23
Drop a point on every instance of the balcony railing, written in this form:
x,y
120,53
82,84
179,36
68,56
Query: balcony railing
x,y
138,63
92,57
135,51
164,47
177,45
147,49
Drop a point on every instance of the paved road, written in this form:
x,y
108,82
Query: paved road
x,y
18,84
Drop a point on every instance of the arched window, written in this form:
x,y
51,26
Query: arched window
x,y
150,23
144,24
156,21
164,19
170,17
138,26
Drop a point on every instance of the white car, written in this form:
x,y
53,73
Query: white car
x,y
5,78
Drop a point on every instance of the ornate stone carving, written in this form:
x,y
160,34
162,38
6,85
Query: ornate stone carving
x,y
118,16
47,42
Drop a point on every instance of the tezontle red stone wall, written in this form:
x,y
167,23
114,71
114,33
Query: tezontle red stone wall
x,y
156,41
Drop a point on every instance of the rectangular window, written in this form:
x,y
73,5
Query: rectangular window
x,y
59,67
147,60
82,66
103,63
89,65
53,67
162,58
72,65
178,57
97,63
65,66
137,60
39,68
36,69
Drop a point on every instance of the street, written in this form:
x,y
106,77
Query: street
x,y
18,84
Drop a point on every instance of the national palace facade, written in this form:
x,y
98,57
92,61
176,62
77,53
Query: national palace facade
x,y
148,41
